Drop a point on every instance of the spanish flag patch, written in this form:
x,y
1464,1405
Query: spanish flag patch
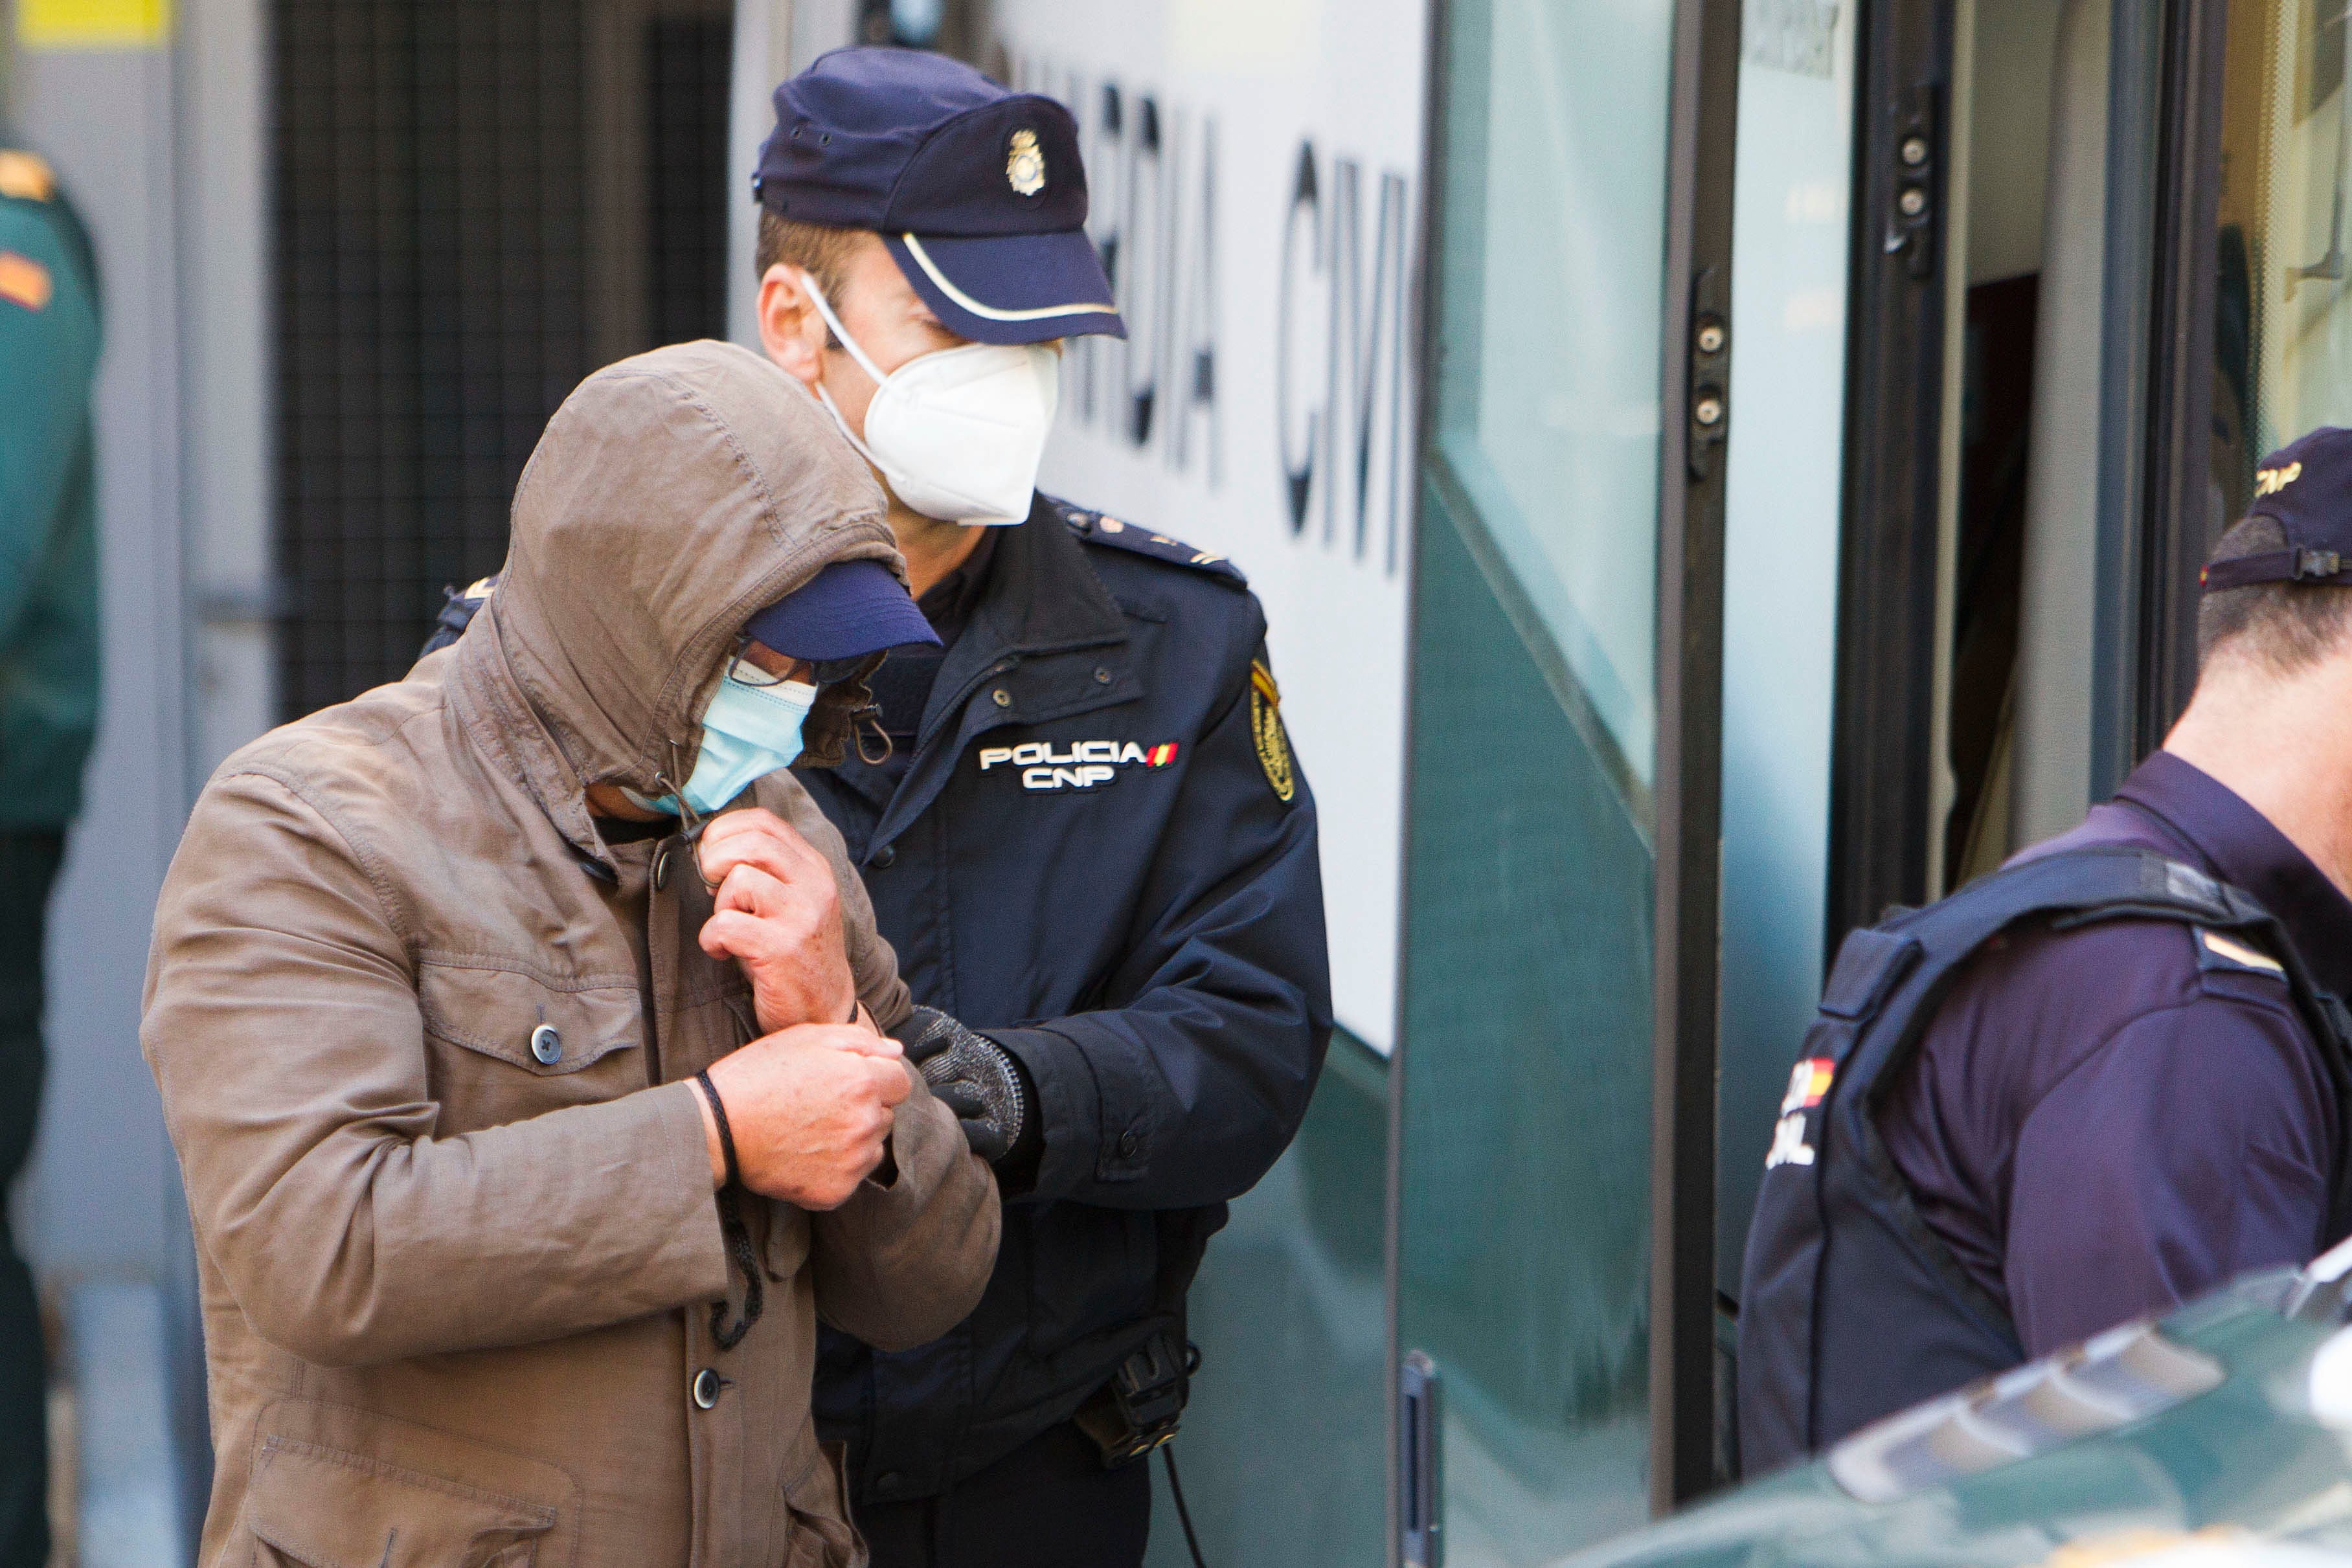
x,y
1808,1083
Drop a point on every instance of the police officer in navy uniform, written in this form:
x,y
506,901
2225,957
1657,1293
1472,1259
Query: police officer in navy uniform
x,y
2107,1077
1078,818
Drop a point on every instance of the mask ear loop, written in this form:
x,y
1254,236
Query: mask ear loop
x,y
832,323
873,372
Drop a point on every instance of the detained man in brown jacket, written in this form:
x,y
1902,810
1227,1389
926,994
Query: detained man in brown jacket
x,y
522,1158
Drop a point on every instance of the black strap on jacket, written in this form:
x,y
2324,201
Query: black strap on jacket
x,y
1850,1307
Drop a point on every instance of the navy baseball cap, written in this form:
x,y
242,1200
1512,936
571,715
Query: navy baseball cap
x,y
978,191
850,609
2305,487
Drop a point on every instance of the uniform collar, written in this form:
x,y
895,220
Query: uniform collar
x,y
2241,846
952,599
1039,596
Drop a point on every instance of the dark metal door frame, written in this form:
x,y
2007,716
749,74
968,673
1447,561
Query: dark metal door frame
x,y
1697,340
2156,508
1881,775
1411,1491
2163,181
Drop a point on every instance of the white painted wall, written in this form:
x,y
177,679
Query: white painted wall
x,y
1222,256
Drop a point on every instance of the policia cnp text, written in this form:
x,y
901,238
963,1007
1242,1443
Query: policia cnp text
x,y
2108,1076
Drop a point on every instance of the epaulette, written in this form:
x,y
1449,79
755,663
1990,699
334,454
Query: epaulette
x,y
1095,529
2216,951
26,176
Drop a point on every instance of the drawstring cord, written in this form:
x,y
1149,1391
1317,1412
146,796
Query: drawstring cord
x,y
866,718
695,820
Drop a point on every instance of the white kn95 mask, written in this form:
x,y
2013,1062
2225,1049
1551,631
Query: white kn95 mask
x,y
958,433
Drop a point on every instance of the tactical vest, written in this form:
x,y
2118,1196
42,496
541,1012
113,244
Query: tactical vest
x,y
1850,1307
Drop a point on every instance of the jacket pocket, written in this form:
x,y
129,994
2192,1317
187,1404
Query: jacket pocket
x,y
817,1513
322,1506
527,1041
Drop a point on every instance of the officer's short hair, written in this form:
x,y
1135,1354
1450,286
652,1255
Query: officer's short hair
x,y
2285,626
822,253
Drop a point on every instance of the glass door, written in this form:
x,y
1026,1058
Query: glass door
x,y
1556,1086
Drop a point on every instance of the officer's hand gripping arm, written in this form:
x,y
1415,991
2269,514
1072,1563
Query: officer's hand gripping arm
x,y
973,1077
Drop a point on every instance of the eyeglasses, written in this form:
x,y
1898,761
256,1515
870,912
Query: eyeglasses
x,y
744,672
822,671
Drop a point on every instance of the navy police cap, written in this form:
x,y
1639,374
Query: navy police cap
x,y
978,191
2306,489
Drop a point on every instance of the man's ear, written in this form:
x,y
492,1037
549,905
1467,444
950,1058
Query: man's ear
x,y
791,330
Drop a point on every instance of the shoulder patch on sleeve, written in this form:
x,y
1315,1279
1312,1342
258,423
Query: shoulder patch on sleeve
x,y
458,612
2216,951
23,281
26,176
1266,728
1095,529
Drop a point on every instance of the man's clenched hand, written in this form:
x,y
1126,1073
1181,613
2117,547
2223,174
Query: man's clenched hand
x,y
810,1108
778,914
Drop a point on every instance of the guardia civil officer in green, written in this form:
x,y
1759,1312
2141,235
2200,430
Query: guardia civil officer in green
x,y
1079,819
48,710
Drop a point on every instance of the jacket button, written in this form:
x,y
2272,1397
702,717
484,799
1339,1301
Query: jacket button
x,y
707,1385
547,1045
1102,676
1128,1144
884,858
1002,697
661,868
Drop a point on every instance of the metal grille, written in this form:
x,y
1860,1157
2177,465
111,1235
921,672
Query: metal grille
x,y
430,289
687,61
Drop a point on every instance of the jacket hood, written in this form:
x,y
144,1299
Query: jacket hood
x,y
673,495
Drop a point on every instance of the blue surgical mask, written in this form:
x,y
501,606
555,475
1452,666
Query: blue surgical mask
x,y
752,729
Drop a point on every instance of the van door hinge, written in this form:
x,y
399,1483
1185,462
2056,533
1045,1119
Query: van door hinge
x,y
1710,370
1911,200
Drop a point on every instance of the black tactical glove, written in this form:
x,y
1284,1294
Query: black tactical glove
x,y
972,1076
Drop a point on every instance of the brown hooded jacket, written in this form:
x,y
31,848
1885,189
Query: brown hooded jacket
x,y
459,1272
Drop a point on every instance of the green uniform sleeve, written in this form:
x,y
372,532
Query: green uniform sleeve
x,y
49,358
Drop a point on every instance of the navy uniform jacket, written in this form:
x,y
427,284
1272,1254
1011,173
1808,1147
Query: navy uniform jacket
x,y
2105,1122
1102,855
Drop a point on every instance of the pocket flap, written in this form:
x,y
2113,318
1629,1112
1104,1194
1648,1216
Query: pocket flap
x,y
339,1488
501,1011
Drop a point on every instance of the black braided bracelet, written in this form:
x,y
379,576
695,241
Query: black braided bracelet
x,y
736,1238
726,1134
